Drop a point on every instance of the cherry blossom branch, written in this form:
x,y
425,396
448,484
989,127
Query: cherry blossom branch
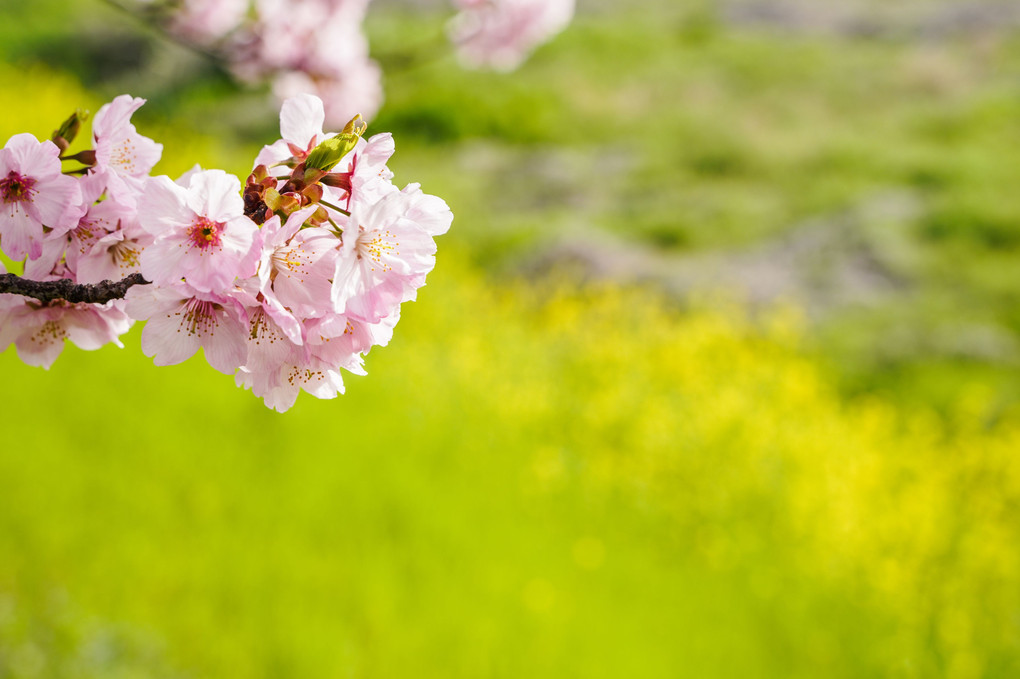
x,y
147,17
408,59
272,282
47,291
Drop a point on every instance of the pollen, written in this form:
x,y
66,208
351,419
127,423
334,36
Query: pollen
x,y
262,329
16,188
51,332
198,318
292,262
298,376
383,244
123,155
126,255
205,233
86,233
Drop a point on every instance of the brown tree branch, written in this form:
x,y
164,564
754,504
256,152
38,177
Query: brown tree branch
x,y
47,291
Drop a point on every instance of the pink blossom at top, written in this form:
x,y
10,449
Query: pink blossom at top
x,y
365,167
123,157
34,194
200,231
301,119
499,34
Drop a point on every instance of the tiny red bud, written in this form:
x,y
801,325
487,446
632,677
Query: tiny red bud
x,y
340,180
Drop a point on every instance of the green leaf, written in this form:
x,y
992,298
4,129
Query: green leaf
x,y
329,152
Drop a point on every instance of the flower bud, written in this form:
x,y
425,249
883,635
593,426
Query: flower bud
x,y
339,180
313,193
69,129
329,152
86,157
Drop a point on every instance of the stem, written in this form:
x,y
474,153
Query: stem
x,y
336,227
67,290
148,17
334,207
119,6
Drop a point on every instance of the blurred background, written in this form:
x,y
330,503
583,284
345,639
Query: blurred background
x,y
717,375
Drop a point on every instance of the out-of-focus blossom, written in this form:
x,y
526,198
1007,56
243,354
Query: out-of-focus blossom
x,y
205,20
199,21
500,34
346,92
314,47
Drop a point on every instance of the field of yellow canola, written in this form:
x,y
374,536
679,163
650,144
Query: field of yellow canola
x,y
533,480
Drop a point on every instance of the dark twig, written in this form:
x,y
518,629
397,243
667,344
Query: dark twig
x,y
47,291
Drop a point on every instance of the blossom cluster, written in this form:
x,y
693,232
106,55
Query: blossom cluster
x,y
319,46
282,282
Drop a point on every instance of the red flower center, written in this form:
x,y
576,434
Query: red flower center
x,y
205,233
15,188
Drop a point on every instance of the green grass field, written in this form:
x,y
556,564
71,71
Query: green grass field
x,y
630,476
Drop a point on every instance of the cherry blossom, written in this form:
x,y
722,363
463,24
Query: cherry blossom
x,y
347,91
123,157
387,250
297,266
107,243
38,329
33,195
301,120
317,47
313,368
200,231
368,178
207,20
181,319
